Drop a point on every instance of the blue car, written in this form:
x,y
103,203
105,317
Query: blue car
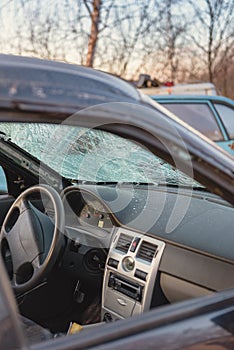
x,y
211,115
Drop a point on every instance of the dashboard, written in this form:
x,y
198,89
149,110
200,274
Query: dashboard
x,y
143,264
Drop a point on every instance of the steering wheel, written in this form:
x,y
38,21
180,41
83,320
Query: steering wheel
x,y
30,241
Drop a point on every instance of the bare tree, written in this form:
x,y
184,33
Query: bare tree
x,y
164,42
172,30
94,11
212,29
34,30
224,71
122,48
170,39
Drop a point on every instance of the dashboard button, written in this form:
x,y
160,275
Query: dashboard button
x,y
128,263
113,263
134,244
140,274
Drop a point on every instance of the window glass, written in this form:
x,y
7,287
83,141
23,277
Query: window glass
x,y
227,115
92,155
199,116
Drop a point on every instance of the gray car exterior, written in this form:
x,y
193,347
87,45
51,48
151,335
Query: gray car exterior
x,y
28,89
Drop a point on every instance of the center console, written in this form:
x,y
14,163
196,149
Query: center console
x,y
130,274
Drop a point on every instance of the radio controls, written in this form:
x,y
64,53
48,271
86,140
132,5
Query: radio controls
x,y
111,282
122,285
128,263
130,274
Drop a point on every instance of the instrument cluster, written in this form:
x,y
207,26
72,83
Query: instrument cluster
x,y
84,209
93,213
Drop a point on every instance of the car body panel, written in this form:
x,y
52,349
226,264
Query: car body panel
x,y
182,326
57,84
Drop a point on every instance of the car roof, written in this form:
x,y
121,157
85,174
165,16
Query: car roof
x,y
174,97
54,83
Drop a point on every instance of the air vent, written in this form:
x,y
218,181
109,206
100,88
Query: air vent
x,y
146,251
123,243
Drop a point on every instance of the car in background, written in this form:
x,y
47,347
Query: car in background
x,y
116,220
213,116
152,86
170,88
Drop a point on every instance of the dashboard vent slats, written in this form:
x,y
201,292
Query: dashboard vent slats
x,y
147,251
124,243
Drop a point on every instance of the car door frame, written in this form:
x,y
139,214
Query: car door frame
x,y
227,143
176,326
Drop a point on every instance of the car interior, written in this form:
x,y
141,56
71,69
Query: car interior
x,y
95,228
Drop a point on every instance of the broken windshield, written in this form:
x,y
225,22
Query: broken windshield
x,y
93,155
